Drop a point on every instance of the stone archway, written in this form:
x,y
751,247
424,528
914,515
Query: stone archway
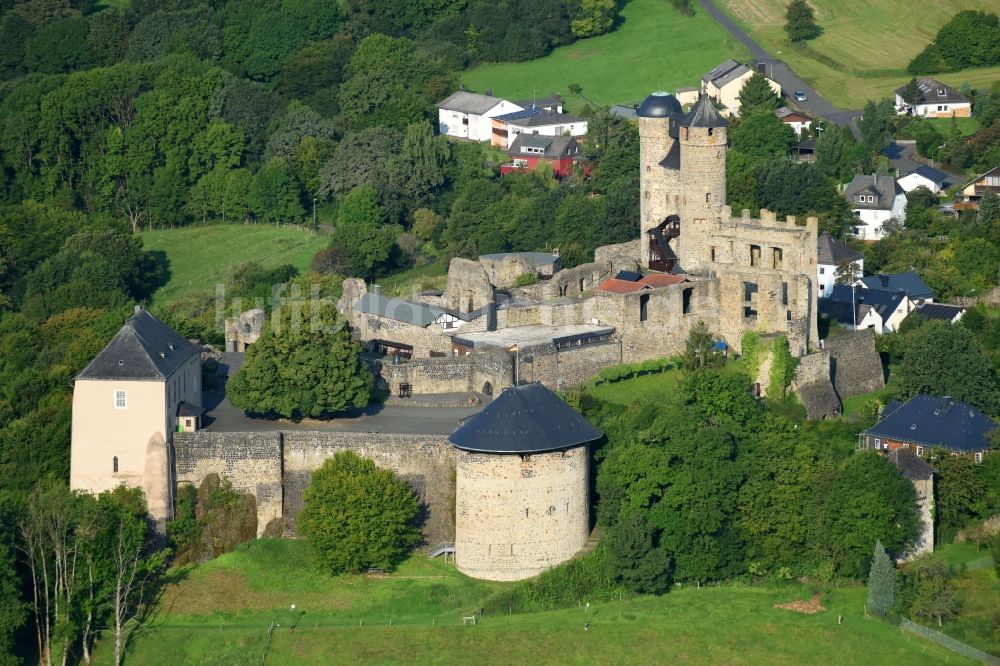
x,y
488,389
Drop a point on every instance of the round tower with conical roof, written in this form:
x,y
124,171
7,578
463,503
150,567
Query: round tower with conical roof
x,y
521,485
659,159
703,137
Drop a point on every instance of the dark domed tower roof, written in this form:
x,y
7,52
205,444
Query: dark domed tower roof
x,y
659,105
524,419
704,114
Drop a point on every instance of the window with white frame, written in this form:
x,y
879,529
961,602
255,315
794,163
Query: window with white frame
x,y
878,443
121,401
979,456
822,270
920,450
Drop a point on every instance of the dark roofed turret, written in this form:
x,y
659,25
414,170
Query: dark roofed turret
x,y
704,114
524,419
659,104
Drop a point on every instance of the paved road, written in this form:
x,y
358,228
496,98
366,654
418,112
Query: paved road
x,y
816,105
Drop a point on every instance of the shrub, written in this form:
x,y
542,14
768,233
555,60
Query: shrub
x,y
526,279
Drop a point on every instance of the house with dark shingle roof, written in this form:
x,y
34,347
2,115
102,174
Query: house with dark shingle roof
x,y
927,422
534,120
977,188
934,100
923,176
831,258
860,309
941,312
468,115
725,82
874,200
530,150
127,403
907,282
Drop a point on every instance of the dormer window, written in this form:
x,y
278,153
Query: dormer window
x,y
941,92
121,362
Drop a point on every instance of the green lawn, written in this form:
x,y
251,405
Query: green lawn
x,y
201,257
865,46
423,278
645,388
220,612
654,48
967,126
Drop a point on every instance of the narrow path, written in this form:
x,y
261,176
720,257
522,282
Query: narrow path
x,y
817,105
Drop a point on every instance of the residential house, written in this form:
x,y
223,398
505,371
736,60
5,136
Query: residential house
x,y
941,312
927,422
797,121
529,150
974,190
506,127
907,282
860,309
725,82
127,403
924,176
552,103
935,100
687,95
874,200
832,259
467,115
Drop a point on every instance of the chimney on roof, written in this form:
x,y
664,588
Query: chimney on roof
x,y
489,92
461,86
377,289
138,308
163,354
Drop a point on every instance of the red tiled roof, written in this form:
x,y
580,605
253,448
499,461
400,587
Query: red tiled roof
x,y
654,281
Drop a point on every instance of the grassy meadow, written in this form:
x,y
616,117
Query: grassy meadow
x,y
865,46
220,613
654,48
200,257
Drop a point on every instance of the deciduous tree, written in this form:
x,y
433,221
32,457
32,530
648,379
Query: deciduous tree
x,y
357,516
800,23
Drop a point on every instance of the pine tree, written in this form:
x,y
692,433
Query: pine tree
x,y
757,96
801,25
881,582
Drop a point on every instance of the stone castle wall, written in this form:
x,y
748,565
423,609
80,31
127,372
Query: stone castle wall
x,y
517,516
855,364
275,467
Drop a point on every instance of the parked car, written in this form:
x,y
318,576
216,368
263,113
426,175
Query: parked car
x,y
800,96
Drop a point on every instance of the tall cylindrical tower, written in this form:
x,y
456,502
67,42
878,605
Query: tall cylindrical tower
x,y
703,138
521,485
658,177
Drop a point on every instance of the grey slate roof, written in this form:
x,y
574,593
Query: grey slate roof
x,y
884,188
623,111
524,419
838,304
673,157
551,101
554,146
932,91
911,465
833,252
187,409
659,104
704,114
725,73
908,282
819,399
930,174
467,102
940,311
408,312
144,349
931,421
537,117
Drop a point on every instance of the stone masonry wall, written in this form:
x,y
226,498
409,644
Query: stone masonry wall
x,y
425,462
250,460
854,363
276,468
519,515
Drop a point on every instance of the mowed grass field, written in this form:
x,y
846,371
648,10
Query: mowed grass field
x,y
870,42
201,257
654,48
220,613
